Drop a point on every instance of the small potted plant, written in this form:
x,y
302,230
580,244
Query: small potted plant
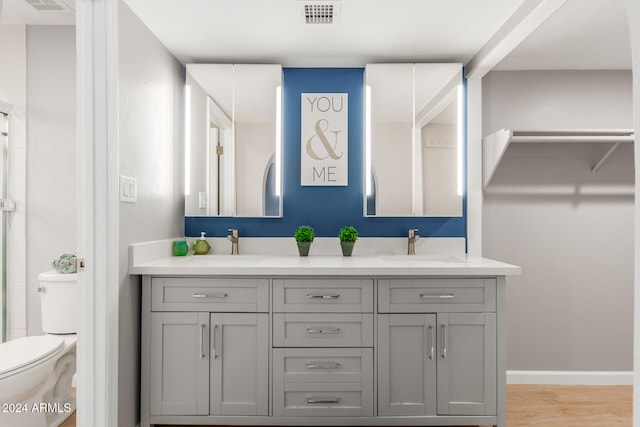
x,y
304,236
348,237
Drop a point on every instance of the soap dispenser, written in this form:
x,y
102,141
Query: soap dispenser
x,y
201,246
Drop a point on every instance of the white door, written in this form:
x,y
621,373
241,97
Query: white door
x,y
4,206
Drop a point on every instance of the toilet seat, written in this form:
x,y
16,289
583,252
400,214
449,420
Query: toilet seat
x,y
23,353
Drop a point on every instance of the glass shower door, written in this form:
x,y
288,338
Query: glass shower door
x,y
5,205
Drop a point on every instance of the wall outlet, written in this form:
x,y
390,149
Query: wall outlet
x,y
128,189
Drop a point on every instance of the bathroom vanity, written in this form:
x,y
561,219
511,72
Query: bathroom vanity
x,y
372,340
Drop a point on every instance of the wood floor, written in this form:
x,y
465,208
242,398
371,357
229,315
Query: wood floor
x,y
557,406
569,406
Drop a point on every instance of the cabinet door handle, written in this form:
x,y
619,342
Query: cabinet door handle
x,y
202,326
323,365
445,296
444,341
323,296
214,352
430,340
199,295
313,400
323,331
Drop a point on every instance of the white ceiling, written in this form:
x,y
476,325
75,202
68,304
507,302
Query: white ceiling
x,y
20,12
583,34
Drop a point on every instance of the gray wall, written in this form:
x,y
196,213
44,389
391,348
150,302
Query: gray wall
x,y
571,230
51,155
151,95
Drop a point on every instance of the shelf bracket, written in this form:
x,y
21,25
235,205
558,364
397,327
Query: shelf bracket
x,y
606,156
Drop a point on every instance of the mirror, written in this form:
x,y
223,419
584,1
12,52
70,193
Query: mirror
x,y
233,140
413,140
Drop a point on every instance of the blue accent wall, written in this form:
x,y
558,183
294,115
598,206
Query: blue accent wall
x,y
326,209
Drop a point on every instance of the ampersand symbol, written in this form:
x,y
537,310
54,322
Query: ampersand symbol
x,y
321,127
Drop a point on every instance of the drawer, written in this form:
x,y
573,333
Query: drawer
x,y
437,295
323,399
319,365
322,330
206,294
322,296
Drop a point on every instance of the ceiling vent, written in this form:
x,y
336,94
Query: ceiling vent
x,y
52,5
320,11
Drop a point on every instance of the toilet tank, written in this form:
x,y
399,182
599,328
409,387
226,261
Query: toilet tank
x,y
59,301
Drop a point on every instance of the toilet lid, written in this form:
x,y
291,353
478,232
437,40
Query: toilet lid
x,y
21,352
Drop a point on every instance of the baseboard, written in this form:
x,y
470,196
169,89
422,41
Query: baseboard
x,y
570,377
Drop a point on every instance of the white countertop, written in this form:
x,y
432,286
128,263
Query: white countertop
x,y
378,265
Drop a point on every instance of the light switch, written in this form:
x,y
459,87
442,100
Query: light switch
x,y
128,189
202,200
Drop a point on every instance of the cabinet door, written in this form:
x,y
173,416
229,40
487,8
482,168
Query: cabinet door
x,y
179,360
467,364
406,364
239,364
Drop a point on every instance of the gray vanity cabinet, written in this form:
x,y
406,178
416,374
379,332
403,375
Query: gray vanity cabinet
x,y
208,347
442,362
239,364
406,364
179,364
466,360
350,350
323,347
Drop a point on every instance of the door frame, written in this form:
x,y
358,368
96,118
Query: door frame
x,y
97,211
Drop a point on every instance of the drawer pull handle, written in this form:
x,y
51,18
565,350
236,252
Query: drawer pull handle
x,y
323,296
323,331
323,365
446,296
313,400
198,295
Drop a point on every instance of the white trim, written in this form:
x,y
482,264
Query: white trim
x,y
570,377
475,196
524,21
97,211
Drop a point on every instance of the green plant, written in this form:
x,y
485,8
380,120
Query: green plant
x,y
304,233
348,234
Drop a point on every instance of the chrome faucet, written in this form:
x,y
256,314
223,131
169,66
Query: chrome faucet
x,y
413,237
233,237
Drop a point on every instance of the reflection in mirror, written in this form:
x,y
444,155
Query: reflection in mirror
x,y
233,147
413,140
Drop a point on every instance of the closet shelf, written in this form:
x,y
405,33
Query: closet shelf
x,y
495,145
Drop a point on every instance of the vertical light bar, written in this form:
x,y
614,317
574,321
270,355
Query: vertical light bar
x,y
278,140
187,140
414,160
459,145
367,138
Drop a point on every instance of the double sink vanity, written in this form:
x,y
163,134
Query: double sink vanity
x,y
323,340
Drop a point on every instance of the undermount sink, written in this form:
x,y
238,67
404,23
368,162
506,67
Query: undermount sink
x,y
422,258
232,260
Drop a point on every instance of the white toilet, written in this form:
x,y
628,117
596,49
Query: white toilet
x,y
36,371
